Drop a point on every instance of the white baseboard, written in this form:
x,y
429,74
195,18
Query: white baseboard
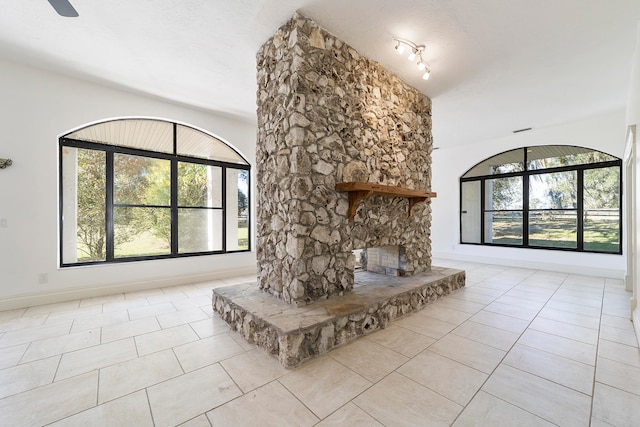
x,y
535,265
40,298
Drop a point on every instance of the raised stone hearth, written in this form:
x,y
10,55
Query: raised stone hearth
x,y
297,333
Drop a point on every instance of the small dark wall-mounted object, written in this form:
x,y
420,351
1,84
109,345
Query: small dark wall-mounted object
x,y
64,8
5,163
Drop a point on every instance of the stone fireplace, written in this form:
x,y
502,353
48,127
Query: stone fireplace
x,y
343,162
328,115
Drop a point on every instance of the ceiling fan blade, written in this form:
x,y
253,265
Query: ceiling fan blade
x,y
64,8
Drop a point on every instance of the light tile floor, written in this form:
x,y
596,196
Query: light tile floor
x,y
515,347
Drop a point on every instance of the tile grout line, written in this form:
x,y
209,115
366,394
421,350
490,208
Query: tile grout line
x,y
595,368
301,402
593,384
146,393
503,357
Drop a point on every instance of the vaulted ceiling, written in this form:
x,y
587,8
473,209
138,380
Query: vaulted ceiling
x,y
497,65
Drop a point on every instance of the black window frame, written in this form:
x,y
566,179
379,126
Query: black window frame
x,y
174,159
526,175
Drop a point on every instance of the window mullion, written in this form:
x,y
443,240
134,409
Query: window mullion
x,y
110,233
249,211
620,202
462,212
61,195
580,208
483,198
224,209
525,198
525,209
174,196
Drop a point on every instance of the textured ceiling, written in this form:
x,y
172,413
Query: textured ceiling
x,y
497,65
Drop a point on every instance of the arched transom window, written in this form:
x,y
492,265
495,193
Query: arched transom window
x,y
134,189
551,197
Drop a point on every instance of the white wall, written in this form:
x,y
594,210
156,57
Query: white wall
x,y
605,133
36,107
633,119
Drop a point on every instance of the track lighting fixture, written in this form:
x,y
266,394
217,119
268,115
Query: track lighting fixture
x,y
415,52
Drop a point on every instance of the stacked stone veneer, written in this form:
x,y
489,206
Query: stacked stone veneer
x,y
327,114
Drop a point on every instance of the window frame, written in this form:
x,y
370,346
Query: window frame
x,y
174,158
526,210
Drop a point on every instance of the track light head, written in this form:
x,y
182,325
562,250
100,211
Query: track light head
x,y
415,52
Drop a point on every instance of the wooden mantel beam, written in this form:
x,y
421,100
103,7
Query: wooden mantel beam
x,y
360,190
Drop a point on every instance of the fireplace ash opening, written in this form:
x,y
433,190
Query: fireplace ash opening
x,y
389,260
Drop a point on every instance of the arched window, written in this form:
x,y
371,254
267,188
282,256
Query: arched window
x,y
551,197
134,189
